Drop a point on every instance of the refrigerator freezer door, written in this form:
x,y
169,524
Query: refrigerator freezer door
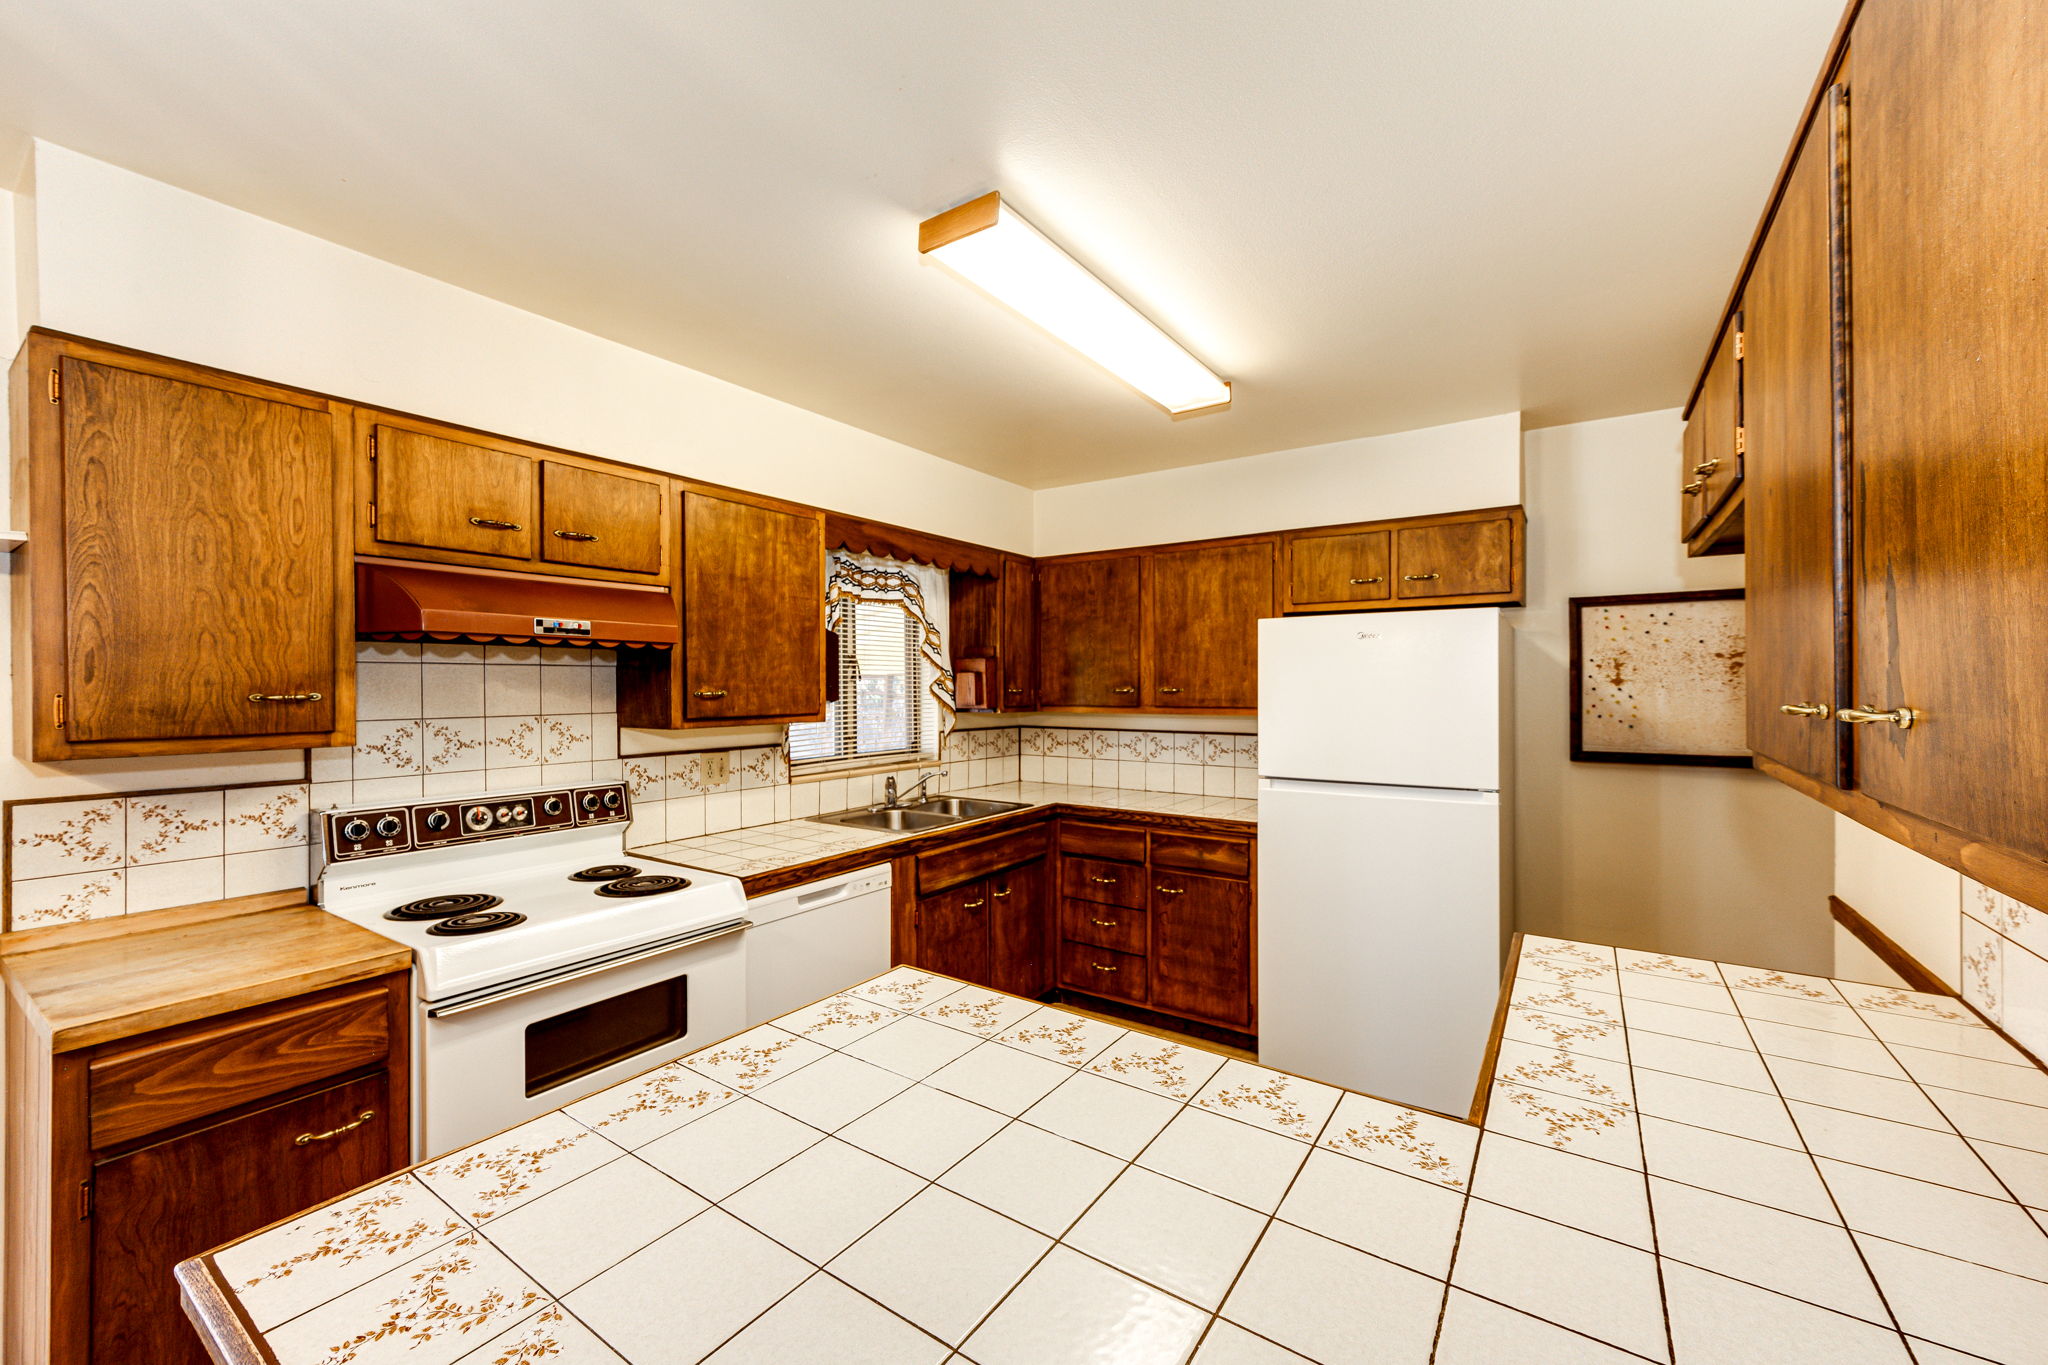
x,y
1402,698
1380,937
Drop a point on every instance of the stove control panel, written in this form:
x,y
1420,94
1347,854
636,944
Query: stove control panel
x,y
465,820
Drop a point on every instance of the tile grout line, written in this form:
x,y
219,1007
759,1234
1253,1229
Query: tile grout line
x,y
1649,1204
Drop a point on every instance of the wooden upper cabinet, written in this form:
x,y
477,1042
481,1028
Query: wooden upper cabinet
x,y
438,493
1949,319
1202,609
753,606
187,582
1480,557
1791,361
1017,636
1714,438
601,520
1089,651
1338,569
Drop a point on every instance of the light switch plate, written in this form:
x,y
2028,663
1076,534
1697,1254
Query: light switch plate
x,y
716,768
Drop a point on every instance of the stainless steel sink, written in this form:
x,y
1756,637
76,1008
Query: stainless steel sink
x,y
934,813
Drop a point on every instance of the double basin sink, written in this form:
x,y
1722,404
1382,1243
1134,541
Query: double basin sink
x,y
934,812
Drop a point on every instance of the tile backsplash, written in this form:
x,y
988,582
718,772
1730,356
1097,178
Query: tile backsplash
x,y
2005,964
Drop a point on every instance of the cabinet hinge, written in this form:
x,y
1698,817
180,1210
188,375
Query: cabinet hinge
x,y
1741,440
56,387
1738,345
59,722
84,1199
373,445
373,514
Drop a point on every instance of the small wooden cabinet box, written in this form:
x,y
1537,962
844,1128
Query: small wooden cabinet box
x,y
1460,559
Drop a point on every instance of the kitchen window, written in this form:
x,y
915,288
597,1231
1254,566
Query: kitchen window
x,y
894,692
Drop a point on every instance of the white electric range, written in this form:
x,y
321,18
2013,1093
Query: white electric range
x,y
547,964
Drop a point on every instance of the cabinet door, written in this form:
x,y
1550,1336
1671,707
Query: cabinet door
x,y
1088,648
1950,330
953,932
155,1207
1018,930
753,590
1203,610
1201,946
1017,635
1338,569
601,520
1455,559
201,596
1794,442
438,493
1716,450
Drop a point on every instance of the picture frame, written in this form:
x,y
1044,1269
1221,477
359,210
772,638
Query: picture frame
x,y
1659,677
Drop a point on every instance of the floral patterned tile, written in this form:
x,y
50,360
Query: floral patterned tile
x,y
549,1335
1664,964
1578,976
634,1113
1590,1129
513,741
1566,1033
427,1312
261,818
837,1020
1918,1003
2013,919
283,1272
1571,1074
68,900
1154,1064
387,748
754,1058
1269,1099
500,1173
985,1013
1565,950
1427,1146
1781,983
906,988
1983,968
1060,1036
53,838
1553,999
454,745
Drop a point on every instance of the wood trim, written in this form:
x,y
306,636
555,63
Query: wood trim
x,y
1721,534
900,542
962,220
1489,1059
1999,868
223,1325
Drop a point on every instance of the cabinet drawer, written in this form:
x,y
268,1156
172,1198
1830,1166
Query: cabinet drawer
x,y
1102,841
1455,559
1103,926
1100,971
1197,853
600,520
1091,879
978,858
204,1070
1338,569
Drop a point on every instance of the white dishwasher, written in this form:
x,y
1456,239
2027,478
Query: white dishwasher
x,y
816,939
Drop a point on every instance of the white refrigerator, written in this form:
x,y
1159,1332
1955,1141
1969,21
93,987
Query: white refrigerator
x,y
1383,848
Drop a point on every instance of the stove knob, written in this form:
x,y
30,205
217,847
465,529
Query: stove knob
x,y
591,802
388,826
355,830
611,800
521,814
437,820
551,806
504,814
477,818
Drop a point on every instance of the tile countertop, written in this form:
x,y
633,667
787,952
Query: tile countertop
x,y
760,849
1680,1161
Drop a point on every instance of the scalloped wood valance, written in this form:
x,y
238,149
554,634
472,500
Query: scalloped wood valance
x,y
917,547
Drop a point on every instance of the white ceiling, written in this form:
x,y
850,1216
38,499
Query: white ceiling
x,y
1371,216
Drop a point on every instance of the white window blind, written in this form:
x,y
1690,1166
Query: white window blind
x,y
881,689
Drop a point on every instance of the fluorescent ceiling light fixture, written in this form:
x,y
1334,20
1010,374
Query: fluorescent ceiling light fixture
x,y
987,243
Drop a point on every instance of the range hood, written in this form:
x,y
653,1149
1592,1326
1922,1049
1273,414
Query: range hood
x,y
414,601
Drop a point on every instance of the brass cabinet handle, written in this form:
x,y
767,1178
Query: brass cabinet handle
x,y
1102,923
1123,691
1695,486
493,524
974,905
709,692
1015,690
1000,894
1171,890
284,696
1100,968
1106,881
1361,582
1807,709
574,535
360,1119
1419,577
1164,690
1903,716
1705,469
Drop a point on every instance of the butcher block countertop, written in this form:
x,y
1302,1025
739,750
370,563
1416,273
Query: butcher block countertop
x,y
1674,1160
95,988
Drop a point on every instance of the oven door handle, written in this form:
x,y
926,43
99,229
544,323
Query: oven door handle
x,y
527,987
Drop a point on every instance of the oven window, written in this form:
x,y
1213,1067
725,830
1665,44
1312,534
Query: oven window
x,y
591,1037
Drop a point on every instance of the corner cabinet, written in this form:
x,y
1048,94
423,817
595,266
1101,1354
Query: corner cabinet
x,y
186,586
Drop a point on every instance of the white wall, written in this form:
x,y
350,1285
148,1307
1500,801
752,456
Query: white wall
x,y
1409,473
1709,862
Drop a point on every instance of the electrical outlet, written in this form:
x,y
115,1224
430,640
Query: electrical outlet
x,y
716,768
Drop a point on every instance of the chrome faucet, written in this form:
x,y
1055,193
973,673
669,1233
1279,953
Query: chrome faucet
x,y
889,795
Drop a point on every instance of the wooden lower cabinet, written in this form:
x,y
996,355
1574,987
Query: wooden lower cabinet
x,y
1017,938
130,1156
980,911
1201,946
953,933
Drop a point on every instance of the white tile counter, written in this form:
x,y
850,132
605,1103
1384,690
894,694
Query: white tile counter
x,y
1680,1161
788,843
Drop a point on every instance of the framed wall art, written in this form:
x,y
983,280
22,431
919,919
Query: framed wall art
x,y
1658,677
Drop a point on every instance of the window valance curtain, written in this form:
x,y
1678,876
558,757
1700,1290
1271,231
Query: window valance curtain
x,y
921,592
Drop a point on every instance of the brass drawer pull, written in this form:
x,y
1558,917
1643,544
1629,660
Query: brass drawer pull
x,y
284,696
493,524
1419,577
1016,691
1104,881
1903,717
1097,966
1705,469
1000,894
574,535
360,1119
1123,691
1103,923
1807,709
709,692
1171,890
1164,690
1695,486
1361,582
974,905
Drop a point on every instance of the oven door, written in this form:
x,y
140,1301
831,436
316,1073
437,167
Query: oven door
x,y
489,1062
